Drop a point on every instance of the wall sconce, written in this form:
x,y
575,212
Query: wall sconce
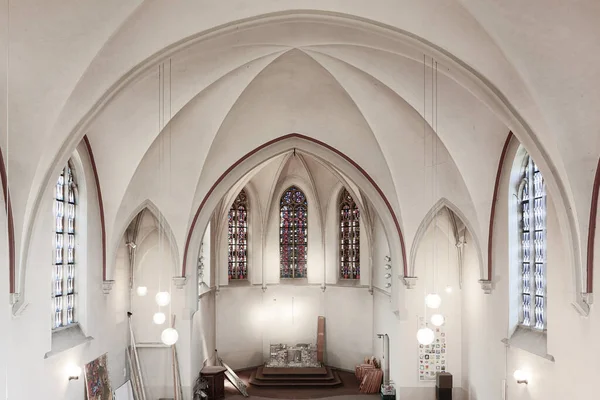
x,y
521,376
73,371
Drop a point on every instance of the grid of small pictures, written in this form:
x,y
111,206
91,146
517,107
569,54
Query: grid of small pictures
x,y
432,357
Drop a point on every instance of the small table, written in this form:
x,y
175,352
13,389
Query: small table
x,y
216,381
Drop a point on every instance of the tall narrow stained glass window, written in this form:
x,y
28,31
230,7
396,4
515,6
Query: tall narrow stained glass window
x,y
238,238
293,233
63,292
532,203
349,237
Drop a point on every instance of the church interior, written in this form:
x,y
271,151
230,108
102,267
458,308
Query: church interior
x,y
290,199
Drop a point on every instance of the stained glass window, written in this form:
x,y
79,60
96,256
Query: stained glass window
x,y
63,277
238,237
349,237
532,203
293,233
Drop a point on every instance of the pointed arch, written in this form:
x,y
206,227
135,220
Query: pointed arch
x,y
148,206
293,233
592,231
237,223
319,150
349,236
444,203
10,225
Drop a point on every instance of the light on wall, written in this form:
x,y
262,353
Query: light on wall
x,y
448,289
437,319
142,291
73,372
433,300
521,376
425,336
159,318
169,336
163,298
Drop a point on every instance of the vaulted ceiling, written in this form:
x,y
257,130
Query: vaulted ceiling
x,y
349,73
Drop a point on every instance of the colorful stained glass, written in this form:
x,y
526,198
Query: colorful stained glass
x,y
63,292
349,237
533,247
293,233
238,238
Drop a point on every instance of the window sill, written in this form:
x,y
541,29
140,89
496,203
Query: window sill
x,y
67,338
237,282
293,281
348,282
531,341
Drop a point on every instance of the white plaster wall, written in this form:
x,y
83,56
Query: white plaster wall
x,y
248,321
572,339
155,268
102,316
402,328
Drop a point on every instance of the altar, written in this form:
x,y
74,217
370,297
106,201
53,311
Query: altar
x,y
301,355
294,365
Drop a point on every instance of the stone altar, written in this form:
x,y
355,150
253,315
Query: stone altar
x,y
301,355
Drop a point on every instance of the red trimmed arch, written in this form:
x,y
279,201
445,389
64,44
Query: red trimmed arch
x,y
279,139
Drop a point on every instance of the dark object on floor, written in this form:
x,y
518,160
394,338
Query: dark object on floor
x,y
232,376
216,381
443,386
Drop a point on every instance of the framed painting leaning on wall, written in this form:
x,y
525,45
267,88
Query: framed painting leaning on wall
x,y
97,381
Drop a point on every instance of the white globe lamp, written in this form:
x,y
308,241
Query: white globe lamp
x,y
433,300
437,319
425,336
159,318
141,291
169,336
521,376
163,298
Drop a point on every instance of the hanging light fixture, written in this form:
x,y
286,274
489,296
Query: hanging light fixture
x,y
163,298
437,319
433,300
169,336
425,336
159,318
142,291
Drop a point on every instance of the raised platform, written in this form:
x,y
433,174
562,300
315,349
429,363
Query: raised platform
x,y
348,388
294,377
293,371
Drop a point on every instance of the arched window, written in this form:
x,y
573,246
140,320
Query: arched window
x,y
238,237
532,208
293,233
63,292
349,237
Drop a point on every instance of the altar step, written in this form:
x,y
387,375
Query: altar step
x,y
306,377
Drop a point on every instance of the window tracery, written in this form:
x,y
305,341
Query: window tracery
x,y
349,237
63,292
532,218
238,238
293,233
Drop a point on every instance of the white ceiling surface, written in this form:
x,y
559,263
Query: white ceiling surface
x,y
227,94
